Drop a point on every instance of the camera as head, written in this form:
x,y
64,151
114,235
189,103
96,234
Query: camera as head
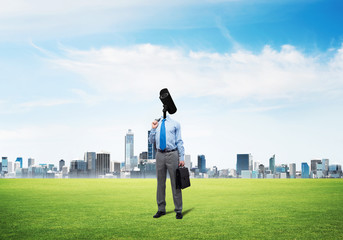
x,y
168,103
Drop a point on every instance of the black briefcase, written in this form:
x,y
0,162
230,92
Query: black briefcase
x,y
182,178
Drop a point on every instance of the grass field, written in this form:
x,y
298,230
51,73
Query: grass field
x,y
213,209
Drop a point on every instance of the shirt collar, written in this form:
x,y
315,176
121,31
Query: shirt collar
x,y
167,118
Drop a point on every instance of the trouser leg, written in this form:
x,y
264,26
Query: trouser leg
x,y
161,172
172,162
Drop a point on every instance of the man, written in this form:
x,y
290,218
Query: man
x,y
166,133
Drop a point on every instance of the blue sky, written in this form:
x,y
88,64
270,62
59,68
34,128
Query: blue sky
x,y
247,77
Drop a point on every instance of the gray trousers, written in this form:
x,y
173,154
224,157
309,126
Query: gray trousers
x,y
170,161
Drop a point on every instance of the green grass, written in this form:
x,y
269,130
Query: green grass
x,y
214,209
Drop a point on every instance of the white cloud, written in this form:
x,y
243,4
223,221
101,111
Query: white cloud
x,y
139,71
44,103
21,19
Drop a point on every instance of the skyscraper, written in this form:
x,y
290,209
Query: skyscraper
x,y
325,166
188,162
16,165
292,170
90,159
20,159
30,162
129,143
243,162
305,170
134,162
272,164
78,168
10,167
256,166
314,165
261,169
151,149
102,163
61,164
202,163
4,165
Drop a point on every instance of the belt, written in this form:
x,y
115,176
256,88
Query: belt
x,y
165,150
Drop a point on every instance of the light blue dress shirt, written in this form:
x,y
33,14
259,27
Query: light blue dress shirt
x,y
173,136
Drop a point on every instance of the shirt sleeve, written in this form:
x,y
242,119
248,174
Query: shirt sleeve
x,y
179,143
152,136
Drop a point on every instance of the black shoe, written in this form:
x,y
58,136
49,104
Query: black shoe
x,y
179,215
159,214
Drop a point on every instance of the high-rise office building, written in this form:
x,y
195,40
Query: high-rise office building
x,y
272,164
292,170
188,162
16,165
30,162
251,164
115,167
335,171
78,168
90,159
51,166
129,151
261,170
61,164
4,165
20,159
143,156
202,163
325,163
134,162
102,163
151,149
10,167
256,166
305,170
314,163
243,162
0,167
65,171
282,168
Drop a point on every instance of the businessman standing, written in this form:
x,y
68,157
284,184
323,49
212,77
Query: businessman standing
x,y
166,133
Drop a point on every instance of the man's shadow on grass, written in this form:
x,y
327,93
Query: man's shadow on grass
x,y
184,212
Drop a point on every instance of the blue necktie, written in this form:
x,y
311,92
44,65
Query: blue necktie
x,y
163,136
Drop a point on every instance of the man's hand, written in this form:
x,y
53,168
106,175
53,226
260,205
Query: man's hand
x,y
182,163
154,124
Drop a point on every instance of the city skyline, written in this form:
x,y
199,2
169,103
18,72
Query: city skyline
x,y
99,165
131,156
89,158
247,77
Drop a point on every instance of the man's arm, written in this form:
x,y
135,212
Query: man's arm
x,y
179,145
154,125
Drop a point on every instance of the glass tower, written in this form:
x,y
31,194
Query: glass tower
x,y
102,163
202,163
90,159
20,159
61,164
314,165
292,170
151,149
272,164
243,162
128,149
30,162
4,164
305,170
